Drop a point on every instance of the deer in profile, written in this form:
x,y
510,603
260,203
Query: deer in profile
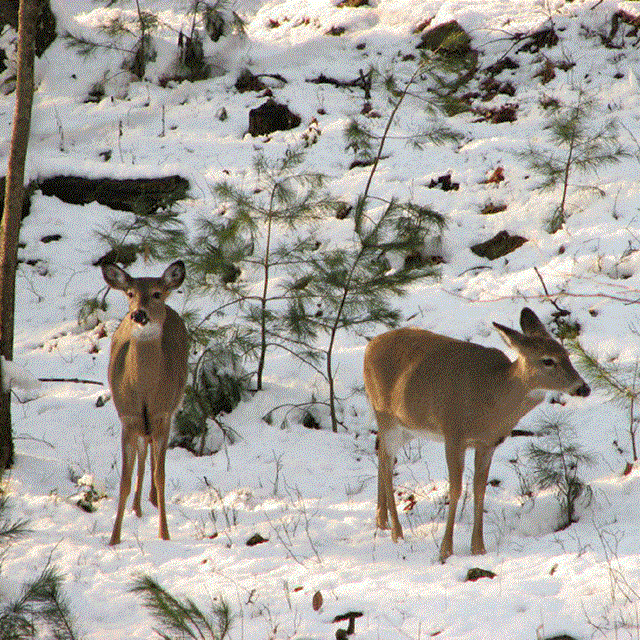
x,y
424,384
147,375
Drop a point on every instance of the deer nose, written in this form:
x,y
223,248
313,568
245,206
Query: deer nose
x,y
583,390
140,316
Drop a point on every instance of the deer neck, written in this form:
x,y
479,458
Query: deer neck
x,y
520,396
150,332
146,361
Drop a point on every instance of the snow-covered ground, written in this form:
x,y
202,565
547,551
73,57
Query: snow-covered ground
x,y
311,493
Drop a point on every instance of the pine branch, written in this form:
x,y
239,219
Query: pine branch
x,y
607,378
85,47
41,606
10,530
54,610
182,617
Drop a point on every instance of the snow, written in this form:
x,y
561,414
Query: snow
x,y
312,493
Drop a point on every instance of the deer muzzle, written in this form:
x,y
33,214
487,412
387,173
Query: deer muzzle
x,y
140,316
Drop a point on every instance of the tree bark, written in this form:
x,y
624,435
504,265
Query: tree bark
x,y
14,192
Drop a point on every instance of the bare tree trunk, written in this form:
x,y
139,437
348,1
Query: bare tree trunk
x,y
14,192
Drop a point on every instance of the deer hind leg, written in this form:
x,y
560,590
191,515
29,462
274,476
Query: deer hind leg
x,y
454,452
158,454
389,437
129,438
482,463
153,494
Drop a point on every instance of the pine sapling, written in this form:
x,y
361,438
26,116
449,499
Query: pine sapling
x,y
119,28
218,384
265,230
353,285
556,464
579,144
208,19
131,33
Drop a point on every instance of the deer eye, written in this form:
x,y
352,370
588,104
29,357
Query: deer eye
x,y
130,293
157,295
548,362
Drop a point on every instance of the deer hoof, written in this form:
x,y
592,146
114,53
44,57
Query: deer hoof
x,y
445,553
396,535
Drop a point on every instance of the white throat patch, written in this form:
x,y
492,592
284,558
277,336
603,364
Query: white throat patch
x,y
537,394
149,331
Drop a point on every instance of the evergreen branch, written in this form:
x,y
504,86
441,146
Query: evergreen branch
x,y
182,617
41,605
13,530
605,378
16,621
10,530
86,47
591,159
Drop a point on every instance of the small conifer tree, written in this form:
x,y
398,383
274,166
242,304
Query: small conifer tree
x,y
261,230
556,464
132,34
128,32
352,286
579,144
218,384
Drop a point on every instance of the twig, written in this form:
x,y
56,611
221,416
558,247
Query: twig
x,y
75,380
546,291
539,296
287,544
24,436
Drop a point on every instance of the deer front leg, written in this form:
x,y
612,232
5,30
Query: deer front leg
x,y
142,455
129,438
454,452
482,463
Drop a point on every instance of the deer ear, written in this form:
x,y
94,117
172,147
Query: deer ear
x,y
174,275
512,338
531,324
115,277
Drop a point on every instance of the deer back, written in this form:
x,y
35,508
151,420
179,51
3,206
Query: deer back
x,y
429,382
461,390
